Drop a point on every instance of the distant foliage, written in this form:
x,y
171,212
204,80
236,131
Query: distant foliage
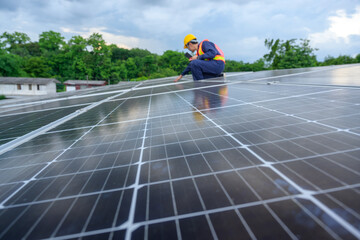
x,y
92,58
235,66
342,59
82,58
298,54
11,65
290,54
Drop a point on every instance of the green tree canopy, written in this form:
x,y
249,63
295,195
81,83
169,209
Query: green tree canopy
x,y
289,54
173,60
51,41
77,45
37,67
32,48
119,53
12,40
11,66
92,58
99,59
342,59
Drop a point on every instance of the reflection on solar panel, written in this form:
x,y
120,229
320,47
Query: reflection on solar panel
x,y
266,155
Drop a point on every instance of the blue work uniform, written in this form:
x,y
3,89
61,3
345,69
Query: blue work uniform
x,y
202,69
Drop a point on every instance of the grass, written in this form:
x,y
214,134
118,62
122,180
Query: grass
x,y
2,97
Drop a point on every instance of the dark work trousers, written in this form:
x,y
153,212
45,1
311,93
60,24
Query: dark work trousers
x,y
202,69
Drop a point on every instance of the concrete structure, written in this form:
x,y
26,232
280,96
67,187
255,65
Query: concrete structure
x,y
27,86
72,85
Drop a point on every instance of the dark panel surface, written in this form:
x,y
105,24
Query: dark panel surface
x,y
265,155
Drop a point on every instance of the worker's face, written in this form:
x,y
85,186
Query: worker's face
x,y
192,47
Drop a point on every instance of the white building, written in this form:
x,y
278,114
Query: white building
x,y
27,86
72,85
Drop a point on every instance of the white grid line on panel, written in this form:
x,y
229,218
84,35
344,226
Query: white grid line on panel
x,y
178,233
324,226
230,136
234,105
168,84
187,155
130,226
305,194
44,110
31,135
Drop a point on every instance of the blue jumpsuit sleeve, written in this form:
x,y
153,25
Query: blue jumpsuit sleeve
x,y
186,71
209,50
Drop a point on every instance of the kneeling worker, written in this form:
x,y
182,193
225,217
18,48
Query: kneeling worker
x,y
208,62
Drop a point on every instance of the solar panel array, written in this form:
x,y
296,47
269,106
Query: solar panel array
x,y
266,155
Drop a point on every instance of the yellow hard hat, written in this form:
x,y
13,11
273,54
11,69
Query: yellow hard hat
x,y
187,39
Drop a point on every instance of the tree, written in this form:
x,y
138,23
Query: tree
x,y
77,45
173,60
14,43
357,58
74,59
79,70
123,72
11,66
273,56
137,52
12,40
51,41
329,60
235,66
2,46
149,65
97,43
132,70
37,67
163,72
33,48
100,57
80,58
345,59
232,66
119,53
258,65
288,54
342,59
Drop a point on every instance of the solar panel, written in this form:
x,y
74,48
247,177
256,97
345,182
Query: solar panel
x,y
266,155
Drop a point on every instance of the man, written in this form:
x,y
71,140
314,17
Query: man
x,y
208,62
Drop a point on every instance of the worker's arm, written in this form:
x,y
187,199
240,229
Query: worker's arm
x,y
209,51
186,71
178,78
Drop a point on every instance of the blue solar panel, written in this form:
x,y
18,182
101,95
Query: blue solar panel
x,y
266,155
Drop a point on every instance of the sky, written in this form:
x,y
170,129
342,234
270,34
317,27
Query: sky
x,y
239,27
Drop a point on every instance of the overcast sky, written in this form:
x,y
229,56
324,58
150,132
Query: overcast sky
x,y
238,27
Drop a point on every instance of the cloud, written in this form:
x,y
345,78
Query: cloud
x,y
121,41
6,5
342,27
239,27
249,48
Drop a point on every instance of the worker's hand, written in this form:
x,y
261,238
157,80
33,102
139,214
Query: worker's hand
x,y
193,58
178,78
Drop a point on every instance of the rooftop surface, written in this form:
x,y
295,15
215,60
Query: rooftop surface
x,y
84,82
265,155
25,80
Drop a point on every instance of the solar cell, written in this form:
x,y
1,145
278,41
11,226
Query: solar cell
x,y
266,155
